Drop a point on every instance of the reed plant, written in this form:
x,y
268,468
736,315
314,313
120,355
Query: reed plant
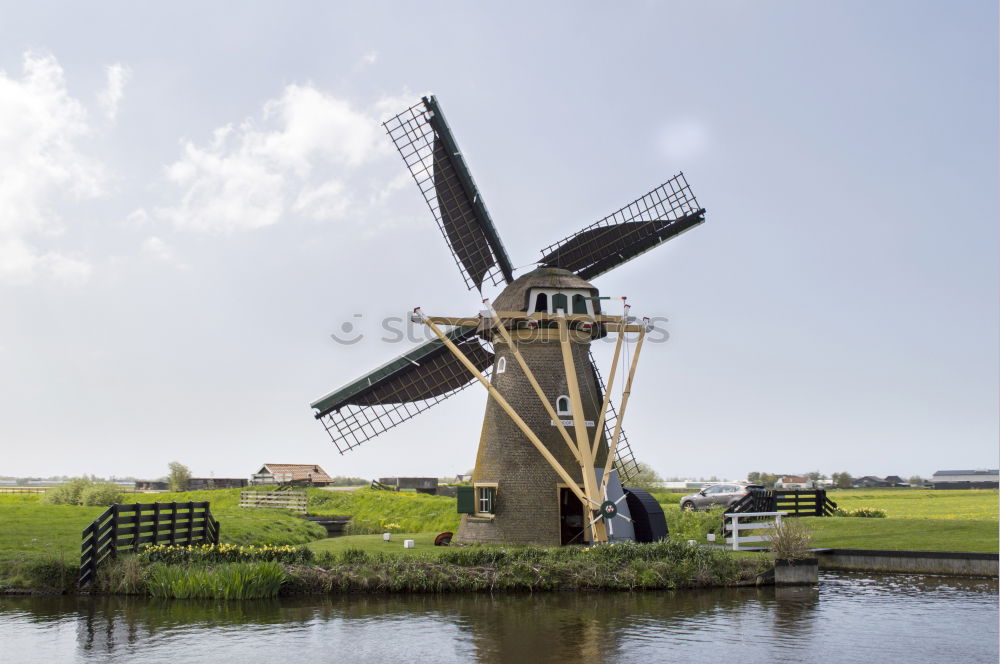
x,y
227,581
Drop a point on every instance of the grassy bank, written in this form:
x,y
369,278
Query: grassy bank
x,y
366,568
974,504
40,543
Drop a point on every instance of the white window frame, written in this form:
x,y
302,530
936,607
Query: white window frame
x,y
569,406
502,365
479,498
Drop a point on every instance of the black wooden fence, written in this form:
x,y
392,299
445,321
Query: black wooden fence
x,y
129,527
795,503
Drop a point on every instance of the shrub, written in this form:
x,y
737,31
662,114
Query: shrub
x,y
791,540
101,494
176,554
861,512
694,525
67,493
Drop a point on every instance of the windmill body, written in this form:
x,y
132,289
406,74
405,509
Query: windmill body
x,y
552,454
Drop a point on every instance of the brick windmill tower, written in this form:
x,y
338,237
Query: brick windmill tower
x,y
552,458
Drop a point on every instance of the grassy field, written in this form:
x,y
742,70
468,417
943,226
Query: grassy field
x,y
33,534
978,504
423,542
895,534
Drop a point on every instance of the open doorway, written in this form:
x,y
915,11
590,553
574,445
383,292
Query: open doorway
x,y
570,518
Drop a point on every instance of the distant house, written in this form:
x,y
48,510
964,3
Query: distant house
x,y
967,479
201,483
793,483
151,485
291,473
869,482
896,480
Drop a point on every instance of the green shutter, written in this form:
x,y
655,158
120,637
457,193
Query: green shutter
x,y
559,302
579,304
466,500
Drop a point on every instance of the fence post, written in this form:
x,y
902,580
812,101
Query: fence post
x,y
734,523
114,530
156,523
136,526
173,522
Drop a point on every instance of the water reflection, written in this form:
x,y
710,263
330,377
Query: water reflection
x,y
841,619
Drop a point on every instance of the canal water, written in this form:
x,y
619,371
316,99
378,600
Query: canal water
x,y
847,618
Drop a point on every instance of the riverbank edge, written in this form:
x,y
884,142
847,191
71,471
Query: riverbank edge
x,y
400,576
949,563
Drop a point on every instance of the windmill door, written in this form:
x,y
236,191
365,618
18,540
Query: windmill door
x,y
570,518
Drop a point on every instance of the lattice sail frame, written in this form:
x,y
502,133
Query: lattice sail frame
x,y
431,154
649,220
352,424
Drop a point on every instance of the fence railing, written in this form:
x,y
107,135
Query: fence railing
x,y
129,527
793,503
289,500
733,527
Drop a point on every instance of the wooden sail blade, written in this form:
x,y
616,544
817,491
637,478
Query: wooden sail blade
x,y
643,224
399,390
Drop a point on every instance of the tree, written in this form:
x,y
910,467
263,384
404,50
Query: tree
x,y
842,480
916,480
645,478
815,475
179,476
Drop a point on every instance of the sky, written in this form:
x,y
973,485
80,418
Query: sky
x,y
194,198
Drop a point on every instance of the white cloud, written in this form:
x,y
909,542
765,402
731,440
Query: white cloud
x,y
684,140
325,202
41,166
111,96
293,159
370,58
154,247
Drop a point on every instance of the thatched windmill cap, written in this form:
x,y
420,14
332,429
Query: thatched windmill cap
x,y
515,296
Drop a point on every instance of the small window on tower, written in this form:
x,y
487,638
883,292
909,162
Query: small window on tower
x,y
562,405
558,303
579,304
542,303
486,499
501,365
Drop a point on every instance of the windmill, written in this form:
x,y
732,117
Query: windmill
x,y
552,456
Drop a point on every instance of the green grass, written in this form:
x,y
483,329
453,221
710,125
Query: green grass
x,y
379,511
424,548
37,539
978,504
890,534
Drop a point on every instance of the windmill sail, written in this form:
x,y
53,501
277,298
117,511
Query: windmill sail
x,y
399,390
660,215
430,152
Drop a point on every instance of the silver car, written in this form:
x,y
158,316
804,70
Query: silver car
x,y
717,494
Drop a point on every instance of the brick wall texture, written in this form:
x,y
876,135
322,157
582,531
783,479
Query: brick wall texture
x,y
527,499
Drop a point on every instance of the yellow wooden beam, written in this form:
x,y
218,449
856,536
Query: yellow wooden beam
x,y
599,429
582,439
525,429
621,411
529,374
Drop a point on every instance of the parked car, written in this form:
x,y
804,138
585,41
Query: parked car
x,y
717,494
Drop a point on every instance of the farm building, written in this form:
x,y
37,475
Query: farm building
x,y
967,479
870,482
793,482
291,473
197,483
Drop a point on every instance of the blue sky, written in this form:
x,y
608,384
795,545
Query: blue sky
x,y
193,198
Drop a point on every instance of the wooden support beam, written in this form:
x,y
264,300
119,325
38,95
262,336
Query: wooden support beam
x,y
521,424
621,411
582,439
538,388
599,428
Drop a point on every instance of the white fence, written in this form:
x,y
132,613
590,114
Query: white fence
x,y
289,500
734,528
